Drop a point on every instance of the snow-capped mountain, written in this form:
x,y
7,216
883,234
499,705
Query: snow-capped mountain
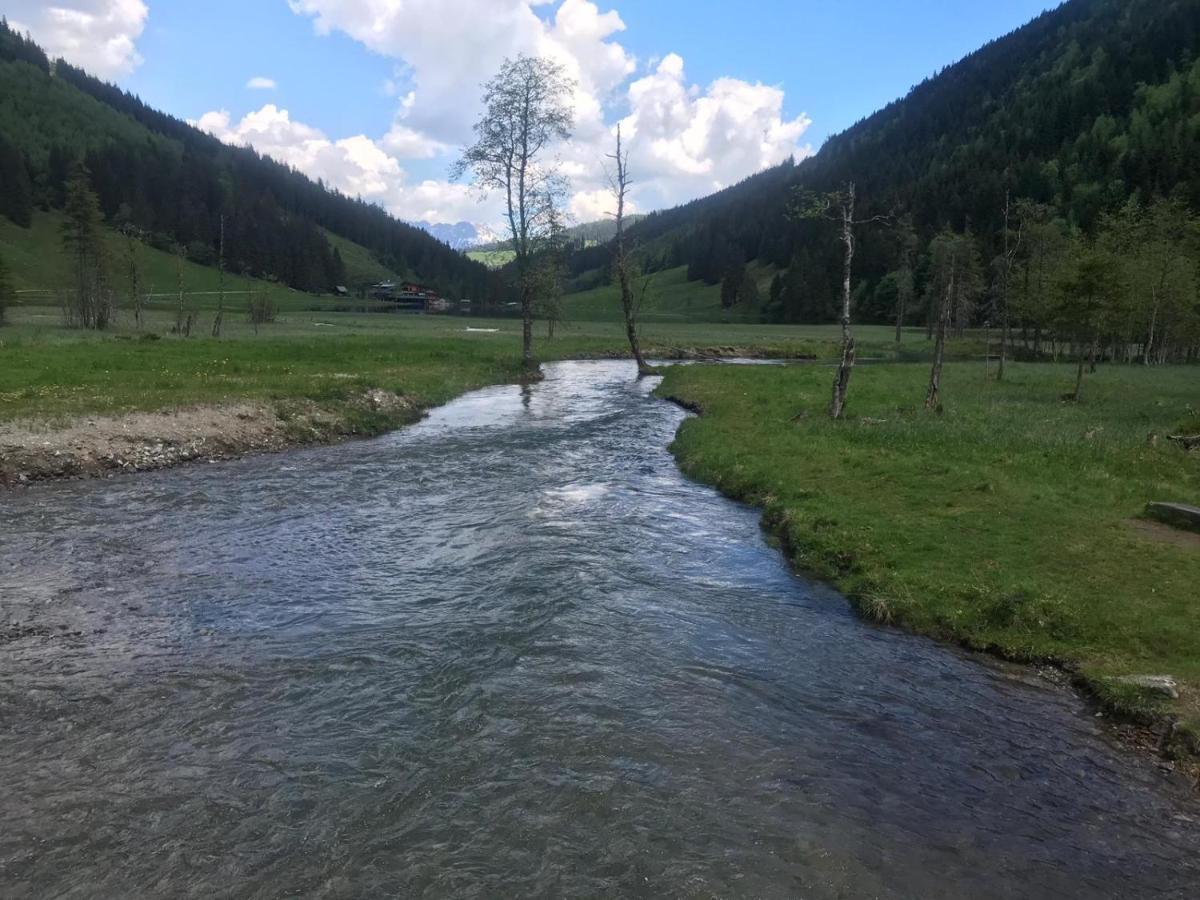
x,y
461,235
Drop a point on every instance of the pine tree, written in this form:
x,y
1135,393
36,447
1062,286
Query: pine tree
x,y
731,285
748,290
16,190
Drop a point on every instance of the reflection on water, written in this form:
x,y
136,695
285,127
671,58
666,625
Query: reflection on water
x,y
512,652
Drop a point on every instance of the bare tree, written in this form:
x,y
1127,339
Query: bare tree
x,y
133,271
527,109
183,317
839,206
945,264
220,317
1012,247
953,284
622,264
905,276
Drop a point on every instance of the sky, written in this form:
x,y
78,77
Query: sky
x,y
377,97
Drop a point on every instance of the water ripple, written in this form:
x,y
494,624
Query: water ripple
x,y
511,652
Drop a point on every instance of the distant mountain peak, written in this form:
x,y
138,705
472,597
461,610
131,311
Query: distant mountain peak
x,y
460,235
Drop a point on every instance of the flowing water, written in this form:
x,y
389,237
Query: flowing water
x,y
512,652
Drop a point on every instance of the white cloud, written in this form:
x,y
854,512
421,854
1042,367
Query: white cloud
x,y
261,83
357,165
684,140
592,206
97,35
689,142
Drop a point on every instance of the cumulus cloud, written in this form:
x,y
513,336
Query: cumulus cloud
x,y
691,142
97,35
261,83
685,140
358,165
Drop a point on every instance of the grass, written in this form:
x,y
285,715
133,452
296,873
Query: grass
x,y
493,259
37,262
1004,523
49,372
669,298
361,265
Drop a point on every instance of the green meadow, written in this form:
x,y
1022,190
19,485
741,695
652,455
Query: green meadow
x,y
1008,522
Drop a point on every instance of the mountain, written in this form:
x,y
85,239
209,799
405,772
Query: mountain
x,y
461,235
179,185
1086,107
583,236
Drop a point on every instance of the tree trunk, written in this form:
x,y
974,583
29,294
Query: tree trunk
x,y
841,383
1153,326
220,318
628,303
179,286
1003,346
933,397
528,362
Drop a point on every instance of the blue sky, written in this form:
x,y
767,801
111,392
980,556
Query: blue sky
x,y
343,67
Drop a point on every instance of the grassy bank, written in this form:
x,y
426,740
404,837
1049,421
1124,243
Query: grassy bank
x,y
1008,523
48,372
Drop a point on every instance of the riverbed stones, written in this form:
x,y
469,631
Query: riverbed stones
x,y
1164,685
1177,515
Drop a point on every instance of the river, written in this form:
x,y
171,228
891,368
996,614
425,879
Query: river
x,y
512,652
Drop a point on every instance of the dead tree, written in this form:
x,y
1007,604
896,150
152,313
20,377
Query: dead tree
x,y
933,397
179,288
840,207
216,329
133,271
620,182
1011,249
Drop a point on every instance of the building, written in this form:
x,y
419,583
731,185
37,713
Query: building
x,y
409,296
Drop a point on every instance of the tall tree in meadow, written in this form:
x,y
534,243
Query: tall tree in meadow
x,y
89,299
527,110
840,207
906,247
546,272
1090,288
1005,266
1032,295
1163,249
220,317
954,282
623,264
133,270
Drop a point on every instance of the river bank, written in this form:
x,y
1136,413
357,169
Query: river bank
x,y
511,649
77,404
100,446
1009,524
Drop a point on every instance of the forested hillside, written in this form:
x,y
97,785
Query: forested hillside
x,y
1077,123
175,184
